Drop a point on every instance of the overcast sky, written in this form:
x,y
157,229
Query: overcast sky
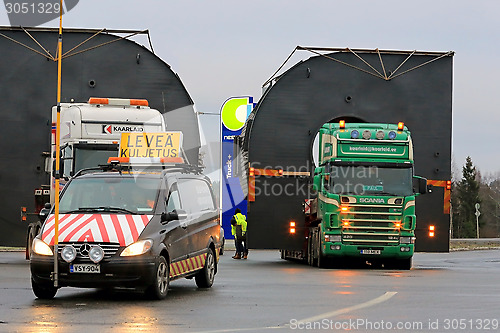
x,y
229,48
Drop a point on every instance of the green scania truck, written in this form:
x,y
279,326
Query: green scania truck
x,y
365,204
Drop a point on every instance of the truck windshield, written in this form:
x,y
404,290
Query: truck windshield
x,y
90,158
114,195
369,180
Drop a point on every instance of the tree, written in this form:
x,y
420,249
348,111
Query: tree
x,y
467,195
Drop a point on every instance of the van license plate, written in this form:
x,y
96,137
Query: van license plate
x,y
84,268
370,251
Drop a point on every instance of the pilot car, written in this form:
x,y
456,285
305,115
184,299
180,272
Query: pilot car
x,y
131,228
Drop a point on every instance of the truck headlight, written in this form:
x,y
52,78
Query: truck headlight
x,y
406,240
41,248
137,248
333,238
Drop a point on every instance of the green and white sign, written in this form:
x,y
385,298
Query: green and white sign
x,y
348,149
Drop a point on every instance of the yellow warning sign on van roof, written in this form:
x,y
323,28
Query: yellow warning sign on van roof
x,y
162,145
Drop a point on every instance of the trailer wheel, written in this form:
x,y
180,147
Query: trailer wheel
x,y
32,232
310,258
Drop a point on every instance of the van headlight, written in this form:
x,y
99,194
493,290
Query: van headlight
x,y
68,253
137,248
41,248
96,254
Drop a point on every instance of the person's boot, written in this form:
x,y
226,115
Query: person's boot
x,y
245,255
237,256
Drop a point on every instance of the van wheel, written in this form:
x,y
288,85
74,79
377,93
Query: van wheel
x,y
205,278
221,251
43,291
159,288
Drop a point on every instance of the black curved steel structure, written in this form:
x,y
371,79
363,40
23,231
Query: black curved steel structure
x,y
363,85
96,63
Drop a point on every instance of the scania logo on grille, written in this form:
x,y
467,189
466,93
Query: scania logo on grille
x,y
85,249
372,200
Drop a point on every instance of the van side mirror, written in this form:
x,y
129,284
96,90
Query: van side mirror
x,y
419,185
176,214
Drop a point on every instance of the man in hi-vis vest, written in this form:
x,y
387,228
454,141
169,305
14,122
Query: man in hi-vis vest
x,y
239,231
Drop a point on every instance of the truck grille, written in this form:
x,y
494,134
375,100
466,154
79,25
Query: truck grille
x,y
109,249
371,224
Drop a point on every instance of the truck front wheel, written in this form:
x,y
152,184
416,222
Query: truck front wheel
x,y
402,264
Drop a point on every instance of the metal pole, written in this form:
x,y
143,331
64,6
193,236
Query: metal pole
x,y
57,175
477,205
477,225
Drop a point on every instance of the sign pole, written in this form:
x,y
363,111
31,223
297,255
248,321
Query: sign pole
x,y
477,213
57,175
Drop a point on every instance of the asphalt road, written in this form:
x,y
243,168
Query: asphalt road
x,y
455,292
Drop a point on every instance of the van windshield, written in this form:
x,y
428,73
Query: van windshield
x,y
113,195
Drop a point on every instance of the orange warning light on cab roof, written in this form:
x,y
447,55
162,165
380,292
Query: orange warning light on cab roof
x,y
97,100
139,102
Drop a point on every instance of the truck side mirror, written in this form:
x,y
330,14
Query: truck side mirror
x,y
317,183
45,211
421,185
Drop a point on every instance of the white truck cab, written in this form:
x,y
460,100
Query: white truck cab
x,y
90,132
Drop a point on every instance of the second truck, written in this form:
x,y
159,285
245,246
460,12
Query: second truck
x,y
365,204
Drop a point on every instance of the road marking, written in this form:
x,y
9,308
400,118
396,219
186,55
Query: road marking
x,y
369,303
326,315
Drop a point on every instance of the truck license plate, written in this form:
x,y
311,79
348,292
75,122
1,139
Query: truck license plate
x,y
370,251
84,268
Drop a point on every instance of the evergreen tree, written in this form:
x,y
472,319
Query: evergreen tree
x,y
467,197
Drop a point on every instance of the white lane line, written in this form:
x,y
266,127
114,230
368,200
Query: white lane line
x,y
369,303
326,315
254,329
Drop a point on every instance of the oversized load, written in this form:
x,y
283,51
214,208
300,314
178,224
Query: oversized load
x,y
358,86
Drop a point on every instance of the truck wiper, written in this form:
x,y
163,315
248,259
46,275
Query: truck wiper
x,y
387,193
100,209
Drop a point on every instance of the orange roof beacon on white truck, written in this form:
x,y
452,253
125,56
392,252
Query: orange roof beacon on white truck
x,y
137,222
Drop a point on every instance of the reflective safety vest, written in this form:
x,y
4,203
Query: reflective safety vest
x,y
240,220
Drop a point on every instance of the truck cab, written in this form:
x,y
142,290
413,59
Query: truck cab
x,y
90,132
365,208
